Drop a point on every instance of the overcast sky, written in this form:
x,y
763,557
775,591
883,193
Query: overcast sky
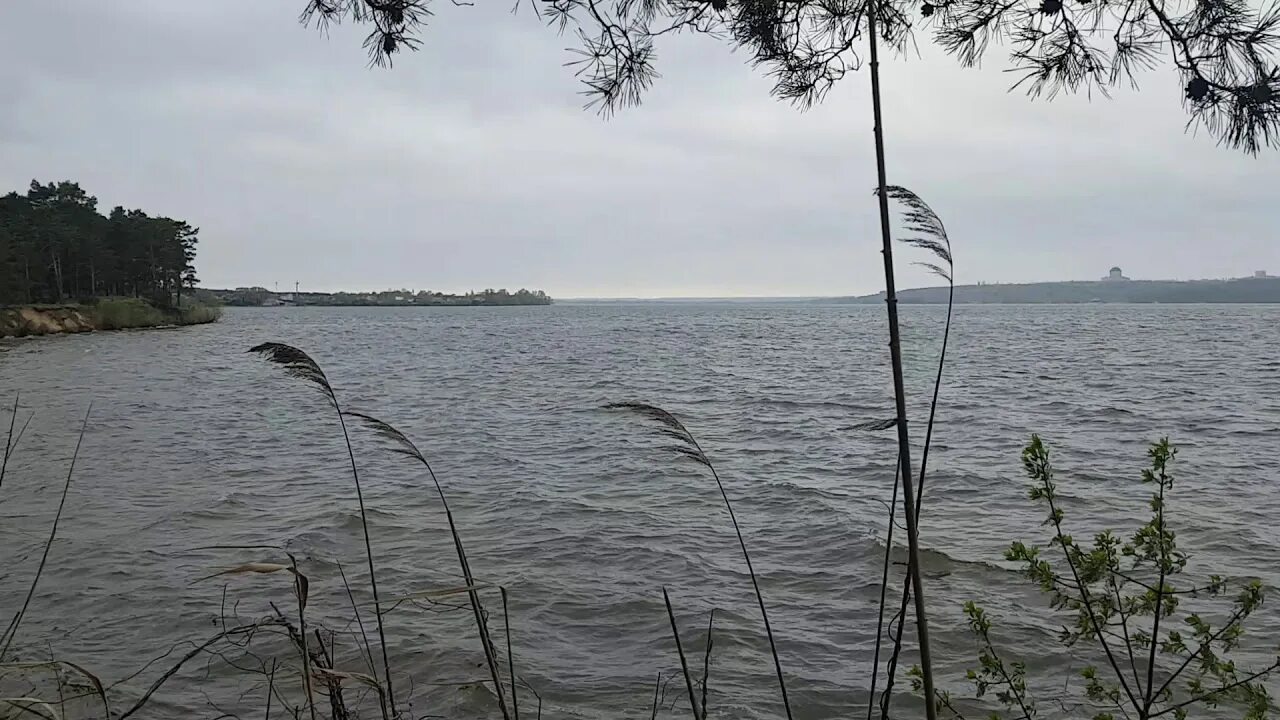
x,y
472,164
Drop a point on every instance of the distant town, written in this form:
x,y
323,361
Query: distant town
x,y
1115,287
262,297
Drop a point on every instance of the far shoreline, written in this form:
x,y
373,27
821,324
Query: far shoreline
x,y
17,321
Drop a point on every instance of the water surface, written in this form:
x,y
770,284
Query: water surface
x,y
582,516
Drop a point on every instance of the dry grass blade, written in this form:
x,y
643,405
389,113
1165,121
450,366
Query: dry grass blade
x,y
511,658
57,664
434,594
706,662
363,678
296,363
261,568
11,631
536,696
684,664
21,431
26,704
657,686
253,567
9,444
355,610
271,686
670,426
399,441
884,590
300,585
877,424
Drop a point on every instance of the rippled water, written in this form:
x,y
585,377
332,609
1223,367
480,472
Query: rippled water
x,y
582,516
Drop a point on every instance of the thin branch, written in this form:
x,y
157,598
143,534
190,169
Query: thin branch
x,y
241,630
1124,624
1159,606
1191,656
1088,602
1217,691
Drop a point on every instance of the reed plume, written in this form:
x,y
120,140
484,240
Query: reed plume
x,y
686,445
928,233
298,364
400,443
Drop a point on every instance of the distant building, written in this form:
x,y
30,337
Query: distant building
x,y
1260,274
1115,275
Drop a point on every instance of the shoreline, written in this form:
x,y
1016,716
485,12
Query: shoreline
x,y
116,314
1259,289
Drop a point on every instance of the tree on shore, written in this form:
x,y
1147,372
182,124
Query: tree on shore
x,y
56,247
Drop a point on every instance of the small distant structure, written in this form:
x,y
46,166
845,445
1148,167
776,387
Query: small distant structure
x,y
1115,275
1261,274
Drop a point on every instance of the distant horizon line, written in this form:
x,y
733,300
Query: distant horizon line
x,y
743,298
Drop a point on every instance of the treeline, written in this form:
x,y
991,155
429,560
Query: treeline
x,y
262,296
56,247
519,297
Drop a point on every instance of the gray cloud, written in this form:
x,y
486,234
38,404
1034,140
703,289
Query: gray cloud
x,y
472,163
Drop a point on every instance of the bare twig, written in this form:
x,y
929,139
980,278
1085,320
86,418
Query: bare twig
x,y
233,632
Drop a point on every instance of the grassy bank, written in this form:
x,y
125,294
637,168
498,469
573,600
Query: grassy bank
x,y
124,313
105,314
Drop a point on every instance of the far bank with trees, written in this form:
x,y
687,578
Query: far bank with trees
x,y
259,296
65,267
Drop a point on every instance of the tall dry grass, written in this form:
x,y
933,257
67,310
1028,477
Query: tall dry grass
x,y
298,364
926,231
687,446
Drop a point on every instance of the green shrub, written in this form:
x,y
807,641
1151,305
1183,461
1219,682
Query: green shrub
x,y
120,313
197,314
1125,597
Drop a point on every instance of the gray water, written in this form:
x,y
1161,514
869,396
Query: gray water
x,y
581,514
